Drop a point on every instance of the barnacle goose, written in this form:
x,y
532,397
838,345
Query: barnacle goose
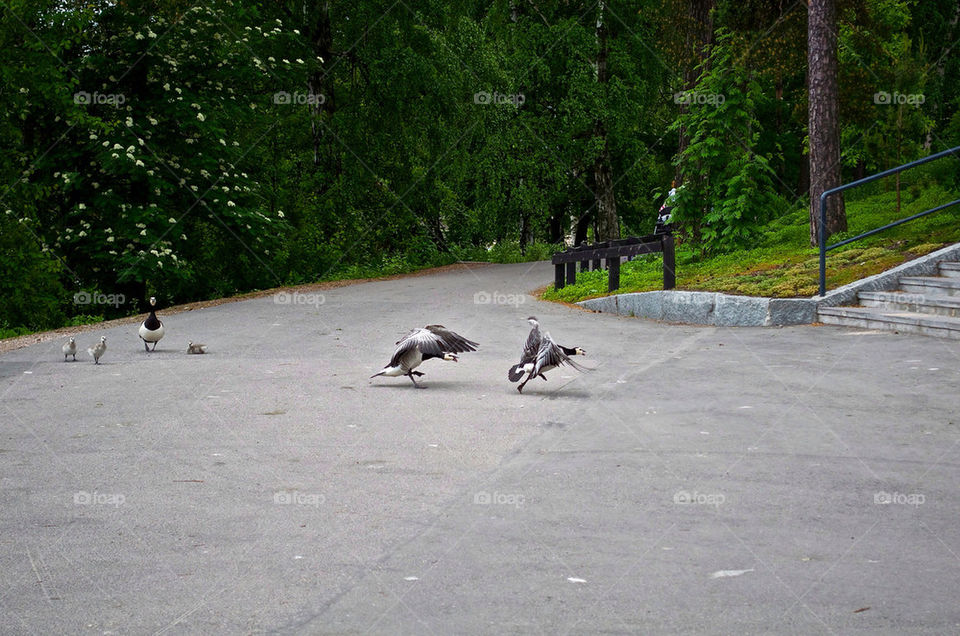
x,y
151,329
432,341
70,349
97,350
541,354
196,348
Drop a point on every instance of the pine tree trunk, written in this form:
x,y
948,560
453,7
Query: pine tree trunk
x,y
824,117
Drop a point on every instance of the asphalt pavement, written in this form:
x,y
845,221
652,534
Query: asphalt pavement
x,y
799,480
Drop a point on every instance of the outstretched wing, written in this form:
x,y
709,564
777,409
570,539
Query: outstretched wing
x,y
450,341
551,355
532,347
432,340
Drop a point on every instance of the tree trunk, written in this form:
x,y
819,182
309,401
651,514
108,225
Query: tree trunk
x,y
556,225
698,37
824,123
608,224
317,28
581,228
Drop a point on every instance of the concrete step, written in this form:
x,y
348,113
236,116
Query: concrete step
x,y
950,269
933,285
900,321
898,301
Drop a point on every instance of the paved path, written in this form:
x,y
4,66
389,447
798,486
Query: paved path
x,y
270,486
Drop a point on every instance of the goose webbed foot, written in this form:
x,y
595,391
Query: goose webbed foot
x,y
412,379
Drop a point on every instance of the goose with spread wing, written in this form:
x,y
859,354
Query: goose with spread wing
x,y
541,354
432,341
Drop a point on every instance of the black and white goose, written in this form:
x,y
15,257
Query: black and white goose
x,y
541,354
151,329
432,341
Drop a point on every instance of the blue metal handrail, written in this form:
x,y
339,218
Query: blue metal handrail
x,y
824,248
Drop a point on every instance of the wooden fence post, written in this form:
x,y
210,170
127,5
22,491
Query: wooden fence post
x,y
669,262
613,264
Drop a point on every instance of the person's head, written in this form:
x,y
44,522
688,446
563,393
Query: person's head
x,y
673,184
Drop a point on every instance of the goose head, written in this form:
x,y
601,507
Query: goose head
x,y
533,321
153,301
577,351
450,357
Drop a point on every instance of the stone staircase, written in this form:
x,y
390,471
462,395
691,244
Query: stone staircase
x,y
928,305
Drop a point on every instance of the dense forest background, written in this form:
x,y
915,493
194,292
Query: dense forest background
x,y
194,151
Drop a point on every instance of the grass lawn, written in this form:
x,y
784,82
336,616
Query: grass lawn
x,y
783,264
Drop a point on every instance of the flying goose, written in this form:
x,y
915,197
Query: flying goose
x,y
196,348
541,354
97,350
70,349
432,341
151,329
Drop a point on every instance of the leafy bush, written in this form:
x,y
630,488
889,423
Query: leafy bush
x,y
729,193
31,294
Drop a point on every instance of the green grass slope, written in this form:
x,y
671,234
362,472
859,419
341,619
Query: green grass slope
x,y
783,264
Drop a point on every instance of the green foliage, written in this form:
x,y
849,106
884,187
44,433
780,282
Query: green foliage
x,y
782,264
195,151
31,294
728,192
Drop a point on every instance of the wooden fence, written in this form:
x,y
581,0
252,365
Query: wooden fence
x,y
590,257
